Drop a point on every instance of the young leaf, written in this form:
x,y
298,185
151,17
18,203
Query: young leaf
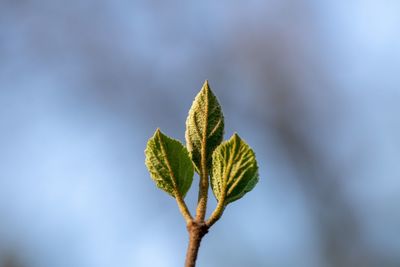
x,y
204,126
235,170
169,164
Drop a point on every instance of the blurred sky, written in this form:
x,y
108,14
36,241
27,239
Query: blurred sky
x,y
312,86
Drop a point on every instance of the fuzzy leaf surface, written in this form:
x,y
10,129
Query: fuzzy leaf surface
x,y
169,164
234,171
204,126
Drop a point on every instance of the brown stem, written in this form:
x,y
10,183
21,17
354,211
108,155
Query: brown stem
x,y
196,232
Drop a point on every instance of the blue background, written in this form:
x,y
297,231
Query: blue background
x,y
312,86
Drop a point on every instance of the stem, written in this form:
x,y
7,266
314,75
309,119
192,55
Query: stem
x,y
183,208
197,228
217,213
196,233
203,194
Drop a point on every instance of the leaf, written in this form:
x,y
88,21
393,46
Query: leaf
x,y
234,170
169,164
204,126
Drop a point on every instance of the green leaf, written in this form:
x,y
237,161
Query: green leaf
x,y
235,170
169,164
204,126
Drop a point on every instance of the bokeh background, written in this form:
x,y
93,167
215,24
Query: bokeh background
x,y
312,86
